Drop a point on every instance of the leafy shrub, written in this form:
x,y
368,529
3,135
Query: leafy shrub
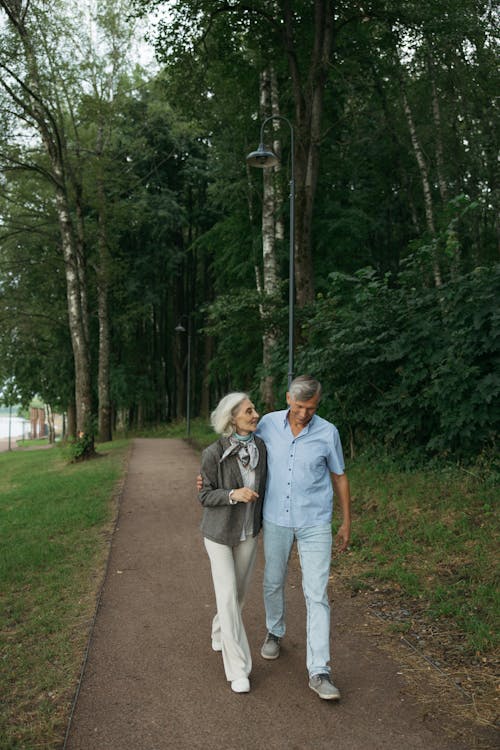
x,y
413,367
81,448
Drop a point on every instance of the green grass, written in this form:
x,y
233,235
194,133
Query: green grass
x,y
54,525
431,535
32,443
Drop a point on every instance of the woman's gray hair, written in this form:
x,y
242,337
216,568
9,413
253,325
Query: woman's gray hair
x,y
304,387
222,416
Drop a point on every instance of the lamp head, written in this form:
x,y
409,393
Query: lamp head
x,y
262,158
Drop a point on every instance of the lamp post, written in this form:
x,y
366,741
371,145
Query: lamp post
x,y
179,328
264,159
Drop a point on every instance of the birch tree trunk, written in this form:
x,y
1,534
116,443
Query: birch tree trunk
x,y
436,114
271,226
29,100
424,177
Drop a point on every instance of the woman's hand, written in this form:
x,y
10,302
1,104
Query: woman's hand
x,y
241,495
244,495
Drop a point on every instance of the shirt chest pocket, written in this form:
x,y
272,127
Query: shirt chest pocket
x,y
310,466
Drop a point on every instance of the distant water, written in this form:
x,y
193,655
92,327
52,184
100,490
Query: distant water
x,y
16,427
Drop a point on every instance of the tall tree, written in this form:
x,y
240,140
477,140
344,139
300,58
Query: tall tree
x,y
33,92
296,35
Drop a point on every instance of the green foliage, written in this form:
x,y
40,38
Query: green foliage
x,y
81,448
181,214
235,322
414,368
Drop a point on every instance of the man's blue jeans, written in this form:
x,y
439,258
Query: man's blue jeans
x,y
314,545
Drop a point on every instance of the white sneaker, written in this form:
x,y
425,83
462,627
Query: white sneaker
x,y
241,686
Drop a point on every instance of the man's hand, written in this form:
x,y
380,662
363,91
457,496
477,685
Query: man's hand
x,y
199,483
343,495
343,535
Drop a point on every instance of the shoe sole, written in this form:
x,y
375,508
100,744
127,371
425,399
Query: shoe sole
x,y
269,658
325,697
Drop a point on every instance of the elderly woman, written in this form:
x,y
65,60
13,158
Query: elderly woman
x,y
233,471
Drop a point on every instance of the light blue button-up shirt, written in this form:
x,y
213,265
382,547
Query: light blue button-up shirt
x,y
299,489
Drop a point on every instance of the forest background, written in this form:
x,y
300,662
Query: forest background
x,y
127,208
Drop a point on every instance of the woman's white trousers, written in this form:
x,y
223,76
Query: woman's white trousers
x,y
231,573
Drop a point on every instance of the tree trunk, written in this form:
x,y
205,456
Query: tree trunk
x,y
424,176
308,98
436,113
50,423
103,377
208,345
71,421
81,354
271,208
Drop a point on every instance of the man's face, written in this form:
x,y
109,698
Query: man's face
x,y
301,412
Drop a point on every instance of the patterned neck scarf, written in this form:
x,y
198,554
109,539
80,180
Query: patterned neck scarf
x,y
246,451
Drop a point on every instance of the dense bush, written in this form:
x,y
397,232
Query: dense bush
x,y
414,367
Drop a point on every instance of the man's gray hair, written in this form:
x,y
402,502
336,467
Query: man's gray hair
x,y
222,416
304,388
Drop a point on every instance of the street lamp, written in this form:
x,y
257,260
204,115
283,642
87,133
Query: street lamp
x,y
179,328
264,159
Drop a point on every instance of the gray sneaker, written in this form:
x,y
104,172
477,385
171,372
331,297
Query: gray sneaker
x,y
271,647
324,687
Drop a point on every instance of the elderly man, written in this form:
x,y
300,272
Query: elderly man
x,y
305,457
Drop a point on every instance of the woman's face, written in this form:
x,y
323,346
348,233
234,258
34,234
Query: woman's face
x,y
246,418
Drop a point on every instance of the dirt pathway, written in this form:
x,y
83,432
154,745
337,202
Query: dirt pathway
x,y
152,681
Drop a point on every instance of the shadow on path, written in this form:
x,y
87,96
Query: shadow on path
x,y
152,681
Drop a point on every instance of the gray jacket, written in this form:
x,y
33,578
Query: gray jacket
x,y
223,522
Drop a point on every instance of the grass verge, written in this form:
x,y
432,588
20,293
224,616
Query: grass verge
x,y
433,535
424,555
55,522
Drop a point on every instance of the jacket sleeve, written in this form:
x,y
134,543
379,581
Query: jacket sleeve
x,y
211,494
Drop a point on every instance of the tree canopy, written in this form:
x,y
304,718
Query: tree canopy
x,y
127,208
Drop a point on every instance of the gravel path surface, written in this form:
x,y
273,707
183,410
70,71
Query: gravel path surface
x,y
152,681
